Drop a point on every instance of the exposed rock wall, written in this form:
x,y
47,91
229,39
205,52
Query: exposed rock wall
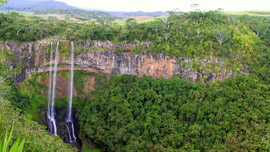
x,y
100,57
62,87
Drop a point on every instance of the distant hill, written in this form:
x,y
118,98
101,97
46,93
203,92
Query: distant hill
x,y
52,8
32,5
60,10
138,13
79,14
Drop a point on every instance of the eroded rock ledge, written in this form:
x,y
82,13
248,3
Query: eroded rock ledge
x,y
100,57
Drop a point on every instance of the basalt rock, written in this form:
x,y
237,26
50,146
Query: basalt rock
x,y
101,57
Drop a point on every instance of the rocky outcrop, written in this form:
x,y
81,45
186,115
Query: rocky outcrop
x,y
101,57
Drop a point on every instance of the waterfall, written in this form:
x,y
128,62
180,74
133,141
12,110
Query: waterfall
x,y
71,83
51,95
51,92
69,122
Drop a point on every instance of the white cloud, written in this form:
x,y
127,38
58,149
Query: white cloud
x,y
167,5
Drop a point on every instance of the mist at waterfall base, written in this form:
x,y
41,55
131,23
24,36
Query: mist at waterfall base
x,y
52,124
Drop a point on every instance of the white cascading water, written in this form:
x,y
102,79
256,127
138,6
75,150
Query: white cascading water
x,y
50,91
52,85
69,122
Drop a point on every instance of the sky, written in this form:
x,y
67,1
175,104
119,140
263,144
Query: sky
x,y
169,5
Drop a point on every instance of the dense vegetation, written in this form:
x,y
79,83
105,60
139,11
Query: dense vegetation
x,y
16,27
260,25
192,35
29,98
36,137
128,113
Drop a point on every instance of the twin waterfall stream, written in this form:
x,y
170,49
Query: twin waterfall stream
x,y
51,95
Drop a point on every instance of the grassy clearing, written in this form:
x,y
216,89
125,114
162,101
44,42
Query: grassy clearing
x,y
25,13
251,13
139,19
45,16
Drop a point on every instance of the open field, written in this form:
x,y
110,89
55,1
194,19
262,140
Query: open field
x,y
45,16
25,13
139,19
251,13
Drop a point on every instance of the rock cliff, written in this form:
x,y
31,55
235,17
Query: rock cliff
x,y
102,57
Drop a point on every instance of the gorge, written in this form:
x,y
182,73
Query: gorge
x,y
100,58
194,81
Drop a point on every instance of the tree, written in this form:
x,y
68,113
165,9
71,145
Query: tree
x,y
124,34
93,30
130,23
165,22
166,36
221,35
155,25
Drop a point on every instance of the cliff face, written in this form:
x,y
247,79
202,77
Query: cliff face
x,y
100,57
62,87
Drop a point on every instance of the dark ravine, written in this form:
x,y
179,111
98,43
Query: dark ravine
x,y
100,57
61,126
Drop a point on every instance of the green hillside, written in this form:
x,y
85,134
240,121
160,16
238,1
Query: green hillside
x,y
36,137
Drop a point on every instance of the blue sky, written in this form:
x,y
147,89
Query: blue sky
x,y
167,5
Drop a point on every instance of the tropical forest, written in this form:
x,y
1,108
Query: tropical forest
x,y
122,76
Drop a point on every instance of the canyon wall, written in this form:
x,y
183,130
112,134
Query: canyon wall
x,y
102,57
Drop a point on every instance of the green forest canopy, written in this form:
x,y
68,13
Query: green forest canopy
x,y
129,113
191,34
